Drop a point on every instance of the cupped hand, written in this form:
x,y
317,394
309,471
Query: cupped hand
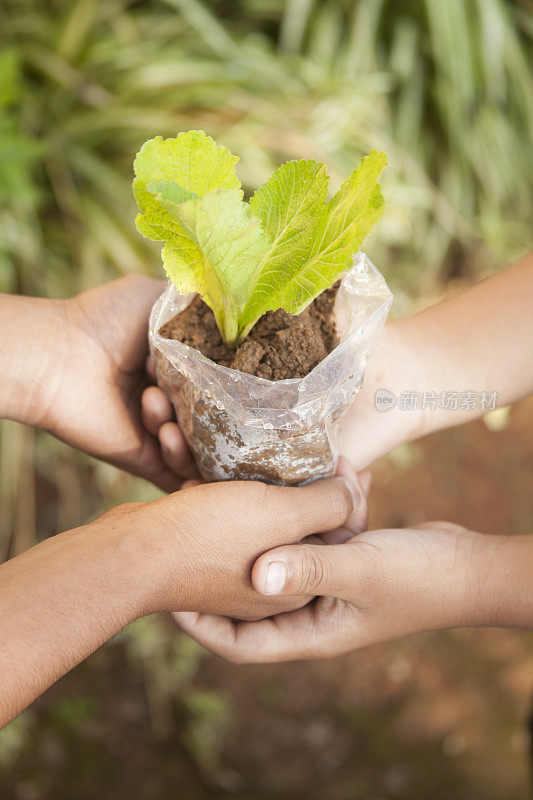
x,y
378,586
97,375
196,548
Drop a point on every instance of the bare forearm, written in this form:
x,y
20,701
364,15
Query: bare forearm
x,y
445,366
480,341
60,601
30,337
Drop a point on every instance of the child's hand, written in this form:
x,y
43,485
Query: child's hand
x,y
77,368
197,547
192,550
378,586
98,407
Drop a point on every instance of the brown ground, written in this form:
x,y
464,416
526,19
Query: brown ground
x,y
279,346
438,716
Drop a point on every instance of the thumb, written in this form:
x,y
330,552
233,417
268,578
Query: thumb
x,y
305,569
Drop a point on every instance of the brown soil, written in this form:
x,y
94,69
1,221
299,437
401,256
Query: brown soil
x,y
279,346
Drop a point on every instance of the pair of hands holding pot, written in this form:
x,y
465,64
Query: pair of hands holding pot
x,y
254,572
210,550
373,586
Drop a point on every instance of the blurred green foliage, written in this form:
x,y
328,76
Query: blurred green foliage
x,y
13,738
444,87
69,714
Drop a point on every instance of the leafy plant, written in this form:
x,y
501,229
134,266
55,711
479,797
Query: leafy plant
x,y
280,250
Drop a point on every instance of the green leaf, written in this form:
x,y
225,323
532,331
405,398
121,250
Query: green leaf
x,y
220,252
288,205
281,250
193,161
293,280
289,201
172,171
171,192
182,259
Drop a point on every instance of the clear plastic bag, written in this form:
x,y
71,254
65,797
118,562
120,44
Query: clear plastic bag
x,y
241,427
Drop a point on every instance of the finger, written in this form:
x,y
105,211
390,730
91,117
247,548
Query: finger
x,y
175,451
307,569
314,631
188,484
358,519
166,480
156,409
210,630
150,369
365,480
301,511
150,465
338,536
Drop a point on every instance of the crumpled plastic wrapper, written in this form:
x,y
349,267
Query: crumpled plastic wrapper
x,y
241,427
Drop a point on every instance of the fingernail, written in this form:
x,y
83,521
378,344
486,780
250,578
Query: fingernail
x,y
276,577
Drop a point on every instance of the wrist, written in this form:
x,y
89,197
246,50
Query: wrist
x,y
128,576
155,555
392,369
31,356
127,582
503,576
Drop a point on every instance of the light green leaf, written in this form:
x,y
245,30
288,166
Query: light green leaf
x,y
281,250
181,257
171,192
223,248
193,161
335,234
288,205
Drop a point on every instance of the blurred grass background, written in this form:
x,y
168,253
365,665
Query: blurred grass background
x,y
444,86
